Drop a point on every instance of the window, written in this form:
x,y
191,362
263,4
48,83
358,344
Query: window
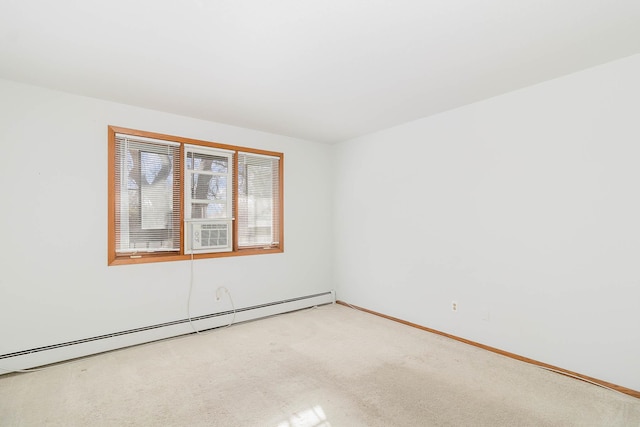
x,y
208,207
171,198
258,192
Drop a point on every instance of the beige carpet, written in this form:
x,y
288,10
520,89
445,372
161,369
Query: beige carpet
x,y
330,366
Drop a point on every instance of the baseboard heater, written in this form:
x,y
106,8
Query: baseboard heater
x,y
53,353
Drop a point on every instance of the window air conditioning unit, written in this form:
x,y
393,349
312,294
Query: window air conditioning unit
x,y
209,236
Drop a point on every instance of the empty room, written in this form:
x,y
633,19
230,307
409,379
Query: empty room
x,y
330,213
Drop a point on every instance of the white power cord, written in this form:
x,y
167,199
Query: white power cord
x,y
218,297
189,297
233,306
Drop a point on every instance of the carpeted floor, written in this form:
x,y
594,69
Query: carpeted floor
x,y
329,366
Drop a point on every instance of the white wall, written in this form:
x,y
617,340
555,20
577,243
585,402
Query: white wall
x,y
55,285
524,208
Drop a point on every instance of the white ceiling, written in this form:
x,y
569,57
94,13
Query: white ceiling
x,y
324,70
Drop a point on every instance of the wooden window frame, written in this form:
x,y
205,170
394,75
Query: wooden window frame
x,y
141,258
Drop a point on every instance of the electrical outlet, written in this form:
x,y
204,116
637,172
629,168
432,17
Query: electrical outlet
x,y
454,306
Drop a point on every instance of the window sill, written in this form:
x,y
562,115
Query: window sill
x,y
149,258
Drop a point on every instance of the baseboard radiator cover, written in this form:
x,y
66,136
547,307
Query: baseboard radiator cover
x,y
54,353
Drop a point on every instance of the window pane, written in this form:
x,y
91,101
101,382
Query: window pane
x,y
207,162
208,187
157,190
148,205
258,200
209,210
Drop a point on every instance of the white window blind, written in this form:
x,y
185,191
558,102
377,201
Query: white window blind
x,y
147,195
258,213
